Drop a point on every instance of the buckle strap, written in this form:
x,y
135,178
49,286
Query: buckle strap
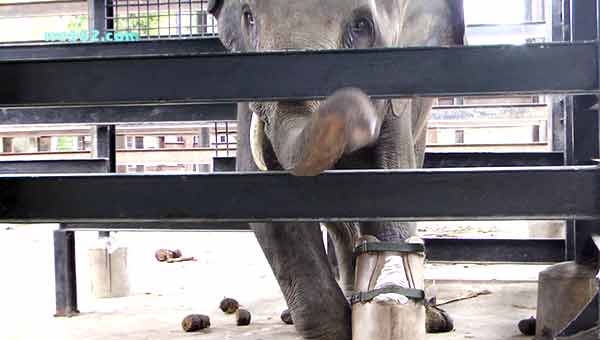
x,y
382,247
411,293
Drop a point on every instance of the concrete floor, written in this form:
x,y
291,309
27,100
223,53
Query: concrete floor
x,y
162,294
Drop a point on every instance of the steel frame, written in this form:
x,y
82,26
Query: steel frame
x,y
107,75
451,194
569,68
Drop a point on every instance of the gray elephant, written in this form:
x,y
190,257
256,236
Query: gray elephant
x,y
346,131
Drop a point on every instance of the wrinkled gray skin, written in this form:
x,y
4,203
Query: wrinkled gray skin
x,y
347,131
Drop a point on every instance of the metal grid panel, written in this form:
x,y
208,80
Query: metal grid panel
x,y
160,18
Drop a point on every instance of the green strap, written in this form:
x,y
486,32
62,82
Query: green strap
x,y
411,293
381,247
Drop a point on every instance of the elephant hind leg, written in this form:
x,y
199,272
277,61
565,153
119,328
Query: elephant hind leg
x,y
344,236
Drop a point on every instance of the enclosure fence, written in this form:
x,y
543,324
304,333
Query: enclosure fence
x,y
113,82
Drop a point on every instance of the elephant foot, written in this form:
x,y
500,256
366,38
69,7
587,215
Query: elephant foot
x,y
389,280
437,320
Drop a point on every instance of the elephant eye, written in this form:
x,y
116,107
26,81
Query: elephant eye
x,y
360,33
249,18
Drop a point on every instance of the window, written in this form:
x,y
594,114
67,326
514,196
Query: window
x,y
203,139
446,101
120,142
432,136
139,142
174,140
201,168
7,144
84,143
222,139
67,143
150,142
536,134
44,144
135,168
459,136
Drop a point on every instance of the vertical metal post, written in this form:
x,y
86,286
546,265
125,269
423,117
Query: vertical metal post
x,y
567,116
104,145
64,273
584,125
558,111
98,13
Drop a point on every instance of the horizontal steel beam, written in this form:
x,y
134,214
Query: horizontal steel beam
x,y
202,112
158,226
58,166
164,47
434,160
492,159
438,249
117,114
495,250
411,195
540,68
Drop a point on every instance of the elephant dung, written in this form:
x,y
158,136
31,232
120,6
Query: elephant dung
x,y
243,317
229,306
195,322
527,326
286,317
163,255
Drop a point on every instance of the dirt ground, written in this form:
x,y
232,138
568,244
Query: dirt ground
x,y
229,264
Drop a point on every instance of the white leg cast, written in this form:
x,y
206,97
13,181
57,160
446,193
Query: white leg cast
x,y
389,314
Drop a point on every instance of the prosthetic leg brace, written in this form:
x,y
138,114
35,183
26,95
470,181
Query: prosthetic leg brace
x,y
389,280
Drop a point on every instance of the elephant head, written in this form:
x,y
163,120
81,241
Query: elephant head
x,y
308,137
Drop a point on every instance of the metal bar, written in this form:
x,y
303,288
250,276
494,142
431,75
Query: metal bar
x,y
541,68
158,226
59,166
104,141
558,110
495,250
438,249
104,144
110,50
570,240
491,159
585,126
201,111
435,160
223,164
117,114
505,193
97,16
64,273
110,15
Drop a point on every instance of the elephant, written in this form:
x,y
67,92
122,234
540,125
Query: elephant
x,y
347,130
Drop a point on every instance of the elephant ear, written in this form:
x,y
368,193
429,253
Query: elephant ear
x,y
214,7
457,17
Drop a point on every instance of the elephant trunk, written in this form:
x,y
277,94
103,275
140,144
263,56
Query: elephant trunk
x,y
308,145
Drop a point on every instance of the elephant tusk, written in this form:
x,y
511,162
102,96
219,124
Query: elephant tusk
x,y
257,140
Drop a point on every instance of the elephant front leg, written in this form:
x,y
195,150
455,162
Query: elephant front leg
x,y
297,256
